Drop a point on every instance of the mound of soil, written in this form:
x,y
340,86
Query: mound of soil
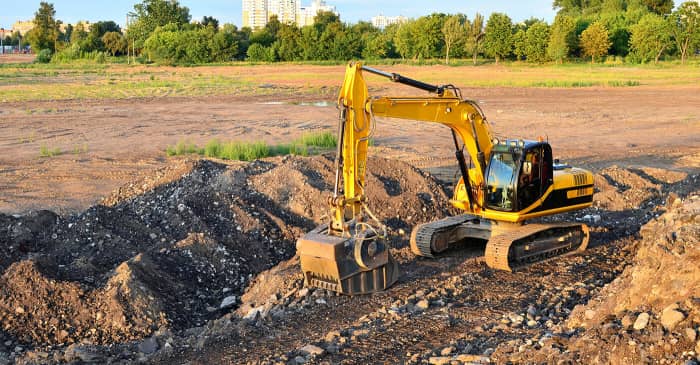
x,y
178,248
650,313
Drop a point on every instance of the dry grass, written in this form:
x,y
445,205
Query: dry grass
x,y
27,82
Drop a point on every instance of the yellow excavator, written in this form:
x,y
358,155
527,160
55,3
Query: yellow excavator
x,y
507,182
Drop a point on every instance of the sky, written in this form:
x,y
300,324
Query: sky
x,y
229,11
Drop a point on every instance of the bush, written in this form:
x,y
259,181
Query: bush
x,y
44,56
259,53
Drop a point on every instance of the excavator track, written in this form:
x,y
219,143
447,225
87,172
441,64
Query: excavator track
x,y
533,243
435,237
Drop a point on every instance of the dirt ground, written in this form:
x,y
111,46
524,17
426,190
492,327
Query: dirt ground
x,y
113,253
106,143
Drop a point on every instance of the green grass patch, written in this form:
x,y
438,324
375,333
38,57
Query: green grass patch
x,y
248,151
45,151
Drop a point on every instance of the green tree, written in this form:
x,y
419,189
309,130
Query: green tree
x,y
210,21
498,41
519,44
403,39
114,43
562,38
650,38
288,43
426,36
536,39
476,36
685,27
661,7
150,14
45,31
224,45
453,33
79,33
257,52
595,41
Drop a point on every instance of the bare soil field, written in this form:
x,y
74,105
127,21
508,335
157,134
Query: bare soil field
x,y
111,252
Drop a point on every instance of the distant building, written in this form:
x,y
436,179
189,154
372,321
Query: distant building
x,y
256,13
22,27
307,14
381,21
286,10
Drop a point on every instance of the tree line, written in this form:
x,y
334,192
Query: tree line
x,y
163,31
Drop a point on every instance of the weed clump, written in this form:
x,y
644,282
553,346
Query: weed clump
x,y
249,151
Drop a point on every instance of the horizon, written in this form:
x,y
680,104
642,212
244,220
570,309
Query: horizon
x,y
351,11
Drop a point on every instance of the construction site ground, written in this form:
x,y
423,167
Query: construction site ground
x,y
113,252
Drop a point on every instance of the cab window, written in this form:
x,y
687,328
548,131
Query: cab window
x,y
501,182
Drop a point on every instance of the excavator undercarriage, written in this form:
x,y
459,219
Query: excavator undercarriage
x,y
509,245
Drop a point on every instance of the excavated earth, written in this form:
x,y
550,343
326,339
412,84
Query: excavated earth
x,y
195,264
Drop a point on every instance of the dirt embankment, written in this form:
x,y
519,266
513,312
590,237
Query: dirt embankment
x,y
651,312
199,256
176,249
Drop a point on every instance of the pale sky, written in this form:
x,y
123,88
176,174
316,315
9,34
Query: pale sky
x,y
229,11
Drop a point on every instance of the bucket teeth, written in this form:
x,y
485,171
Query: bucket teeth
x,y
329,262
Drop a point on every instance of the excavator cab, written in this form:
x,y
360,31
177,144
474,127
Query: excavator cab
x,y
518,174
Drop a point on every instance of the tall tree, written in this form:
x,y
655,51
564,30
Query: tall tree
x,y
685,27
114,43
150,14
519,44
650,37
595,41
45,31
661,7
536,39
562,38
453,33
476,36
498,41
210,21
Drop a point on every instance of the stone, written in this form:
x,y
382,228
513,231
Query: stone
x,y
589,314
299,360
532,323
312,350
227,302
691,334
423,305
320,301
75,352
331,336
19,310
439,360
532,311
148,346
303,292
516,318
475,359
642,321
253,313
447,351
670,317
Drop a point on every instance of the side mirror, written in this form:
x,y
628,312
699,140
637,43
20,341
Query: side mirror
x,y
527,168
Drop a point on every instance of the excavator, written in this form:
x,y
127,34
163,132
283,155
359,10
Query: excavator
x,y
507,182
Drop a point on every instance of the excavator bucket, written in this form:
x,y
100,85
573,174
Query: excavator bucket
x,y
349,265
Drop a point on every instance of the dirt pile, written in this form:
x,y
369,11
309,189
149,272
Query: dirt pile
x,y
174,251
651,313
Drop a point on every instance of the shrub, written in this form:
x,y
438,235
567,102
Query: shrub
x,y
44,56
